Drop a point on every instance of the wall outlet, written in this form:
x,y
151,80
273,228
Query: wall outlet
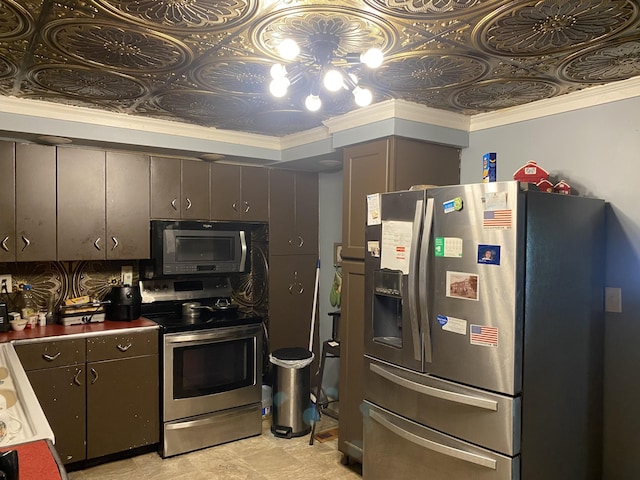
x,y
6,280
613,300
126,275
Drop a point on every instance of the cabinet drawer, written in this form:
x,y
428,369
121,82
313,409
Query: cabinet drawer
x,y
49,354
122,345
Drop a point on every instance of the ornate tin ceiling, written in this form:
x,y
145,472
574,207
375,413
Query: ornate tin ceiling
x,y
207,62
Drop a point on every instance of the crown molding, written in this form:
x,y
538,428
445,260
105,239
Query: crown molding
x,y
589,97
313,135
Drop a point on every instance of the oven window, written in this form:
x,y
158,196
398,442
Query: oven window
x,y
213,367
190,249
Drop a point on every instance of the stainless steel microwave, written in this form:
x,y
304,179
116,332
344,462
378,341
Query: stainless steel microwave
x,y
198,248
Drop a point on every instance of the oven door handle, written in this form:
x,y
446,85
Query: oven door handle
x,y
216,336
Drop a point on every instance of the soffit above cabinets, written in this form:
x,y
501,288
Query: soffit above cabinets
x,y
207,62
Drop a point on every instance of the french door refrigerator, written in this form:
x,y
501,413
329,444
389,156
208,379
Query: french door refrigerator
x,y
483,334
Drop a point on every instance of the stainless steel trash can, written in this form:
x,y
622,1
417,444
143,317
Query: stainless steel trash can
x,y
291,407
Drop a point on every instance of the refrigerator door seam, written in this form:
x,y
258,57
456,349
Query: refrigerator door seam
x,y
435,392
434,446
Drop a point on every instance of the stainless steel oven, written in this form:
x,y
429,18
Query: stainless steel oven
x,y
211,365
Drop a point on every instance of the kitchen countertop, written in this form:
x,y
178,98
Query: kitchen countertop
x,y
38,461
84,330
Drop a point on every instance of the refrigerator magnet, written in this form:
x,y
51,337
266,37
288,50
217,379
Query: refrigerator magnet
x,y
452,324
462,285
483,335
448,247
489,254
454,205
373,247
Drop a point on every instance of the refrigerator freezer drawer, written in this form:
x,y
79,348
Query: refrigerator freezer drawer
x,y
480,417
395,447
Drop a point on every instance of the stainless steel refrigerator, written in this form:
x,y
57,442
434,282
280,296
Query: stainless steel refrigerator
x,y
483,334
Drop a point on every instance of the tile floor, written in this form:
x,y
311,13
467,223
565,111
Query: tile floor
x,y
263,457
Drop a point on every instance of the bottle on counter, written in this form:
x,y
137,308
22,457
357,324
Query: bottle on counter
x,y
29,308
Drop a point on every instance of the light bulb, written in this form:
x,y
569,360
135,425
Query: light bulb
x,y
288,49
372,58
313,103
362,96
278,86
333,80
278,71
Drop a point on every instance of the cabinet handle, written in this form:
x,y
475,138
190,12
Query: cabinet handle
x,y
50,358
300,289
300,241
76,377
123,348
234,206
188,203
26,241
247,207
173,203
95,376
4,244
97,243
115,243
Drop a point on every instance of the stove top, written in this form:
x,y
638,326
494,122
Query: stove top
x,y
163,302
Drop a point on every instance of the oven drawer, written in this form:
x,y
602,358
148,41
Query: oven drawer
x,y
49,354
122,345
395,447
477,416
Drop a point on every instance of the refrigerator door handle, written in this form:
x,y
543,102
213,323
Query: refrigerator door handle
x,y
423,281
435,392
434,446
414,257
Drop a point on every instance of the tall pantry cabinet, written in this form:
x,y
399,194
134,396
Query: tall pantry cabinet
x,y
383,165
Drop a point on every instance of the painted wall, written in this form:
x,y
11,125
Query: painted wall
x,y
597,151
330,191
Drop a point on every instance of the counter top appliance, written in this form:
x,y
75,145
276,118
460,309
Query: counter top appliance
x,y
211,363
483,334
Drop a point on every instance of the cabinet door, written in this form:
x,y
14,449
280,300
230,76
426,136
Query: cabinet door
x,y
61,394
195,190
254,188
351,359
165,188
81,204
291,284
127,206
122,399
225,192
366,169
420,163
35,203
281,212
7,202
307,216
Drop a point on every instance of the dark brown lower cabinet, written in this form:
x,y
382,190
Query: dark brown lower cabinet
x,y
99,394
122,406
62,396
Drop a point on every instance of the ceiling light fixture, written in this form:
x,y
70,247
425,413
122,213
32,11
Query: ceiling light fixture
x,y
322,68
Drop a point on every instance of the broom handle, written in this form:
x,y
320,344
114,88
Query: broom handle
x,y
315,302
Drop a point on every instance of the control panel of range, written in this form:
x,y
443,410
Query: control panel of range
x,y
162,290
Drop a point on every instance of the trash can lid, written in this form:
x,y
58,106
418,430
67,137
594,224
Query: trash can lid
x,y
292,353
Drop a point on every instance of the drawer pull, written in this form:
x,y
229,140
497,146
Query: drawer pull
x,y
247,207
95,376
123,348
97,243
188,203
173,204
115,243
4,244
234,206
50,358
76,377
26,241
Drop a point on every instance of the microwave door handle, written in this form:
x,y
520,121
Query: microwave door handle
x,y
434,446
413,278
243,248
423,282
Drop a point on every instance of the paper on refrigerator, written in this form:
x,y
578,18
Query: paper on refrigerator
x,y
395,250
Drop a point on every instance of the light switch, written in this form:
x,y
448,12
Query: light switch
x,y
613,300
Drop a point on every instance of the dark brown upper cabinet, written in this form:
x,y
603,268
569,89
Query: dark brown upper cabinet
x,y
179,189
239,193
388,165
293,212
7,202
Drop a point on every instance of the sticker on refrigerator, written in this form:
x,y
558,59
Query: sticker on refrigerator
x,y
500,219
452,324
373,247
483,335
395,249
448,247
495,200
462,285
454,205
374,216
489,254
